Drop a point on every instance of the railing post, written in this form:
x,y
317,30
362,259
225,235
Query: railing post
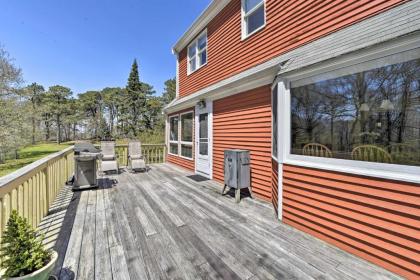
x,y
164,153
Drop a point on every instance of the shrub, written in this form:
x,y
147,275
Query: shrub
x,y
21,249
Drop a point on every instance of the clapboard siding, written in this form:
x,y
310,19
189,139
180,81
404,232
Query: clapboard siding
x,y
184,162
290,24
275,184
243,121
377,220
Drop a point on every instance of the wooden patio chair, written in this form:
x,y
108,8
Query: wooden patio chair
x,y
371,153
109,160
316,150
136,160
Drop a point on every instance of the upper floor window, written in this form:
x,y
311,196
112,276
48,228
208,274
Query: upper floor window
x,y
197,53
253,16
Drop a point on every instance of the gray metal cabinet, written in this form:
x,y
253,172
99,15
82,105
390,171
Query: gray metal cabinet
x,y
237,171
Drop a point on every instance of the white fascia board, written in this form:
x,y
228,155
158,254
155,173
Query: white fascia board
x,y
199,24
258,76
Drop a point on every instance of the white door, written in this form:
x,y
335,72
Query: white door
x,y
203,139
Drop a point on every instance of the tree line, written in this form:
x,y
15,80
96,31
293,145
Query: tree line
x,y
32,113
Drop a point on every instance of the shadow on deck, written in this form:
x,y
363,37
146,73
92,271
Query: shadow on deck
x,y
165,225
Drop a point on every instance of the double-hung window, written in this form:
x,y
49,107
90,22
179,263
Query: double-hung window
x,y
253,17
197,53
181,135
173,135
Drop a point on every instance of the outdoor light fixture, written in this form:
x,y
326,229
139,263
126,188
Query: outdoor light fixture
x,y
201,104
387,105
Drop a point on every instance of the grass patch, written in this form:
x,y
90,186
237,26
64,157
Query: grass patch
x,y
28,155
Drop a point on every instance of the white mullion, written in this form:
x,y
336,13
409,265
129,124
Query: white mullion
x,y
254,9
197,55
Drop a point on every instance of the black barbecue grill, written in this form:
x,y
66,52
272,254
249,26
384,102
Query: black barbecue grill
x,y
85,173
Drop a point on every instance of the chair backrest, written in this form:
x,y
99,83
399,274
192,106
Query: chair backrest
x,y
134,148
316,150
371,153
108,148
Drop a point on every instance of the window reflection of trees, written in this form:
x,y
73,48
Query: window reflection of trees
x,y
379,107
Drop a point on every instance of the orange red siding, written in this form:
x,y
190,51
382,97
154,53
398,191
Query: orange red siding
x,y
183,162
275,184
243,121
377,220
290,24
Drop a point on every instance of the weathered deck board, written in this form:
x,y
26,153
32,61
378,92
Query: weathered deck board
x,y
164,225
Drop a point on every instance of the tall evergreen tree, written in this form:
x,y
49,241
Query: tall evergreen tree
x,y
136,102
133,83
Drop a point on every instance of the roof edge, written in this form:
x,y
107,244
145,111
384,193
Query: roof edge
x,y
199,24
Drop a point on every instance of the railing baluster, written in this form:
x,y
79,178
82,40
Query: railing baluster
x,y
34,187
33,202
39,204
20,200
25,200
1,218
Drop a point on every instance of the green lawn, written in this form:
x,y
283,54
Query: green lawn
x,y
28,155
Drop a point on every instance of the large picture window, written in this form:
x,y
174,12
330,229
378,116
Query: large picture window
x,y
372,114
181,135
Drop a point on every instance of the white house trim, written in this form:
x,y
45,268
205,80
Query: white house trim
x,y
399,21
179,141
247,80
379,170
177,76
244,15
209,110
200,24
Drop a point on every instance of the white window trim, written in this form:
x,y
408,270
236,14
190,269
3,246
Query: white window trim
x,y
179,142
197,53
169,135
379,170
186,143
244,15
275,157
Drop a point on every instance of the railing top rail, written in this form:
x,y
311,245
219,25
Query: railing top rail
x,y
20,175
143,145
159,145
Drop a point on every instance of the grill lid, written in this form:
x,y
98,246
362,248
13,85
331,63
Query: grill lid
x,y
84,148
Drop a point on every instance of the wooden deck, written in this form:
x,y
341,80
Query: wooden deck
x,y
165,225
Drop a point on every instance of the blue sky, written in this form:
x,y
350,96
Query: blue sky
x,y
89,45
